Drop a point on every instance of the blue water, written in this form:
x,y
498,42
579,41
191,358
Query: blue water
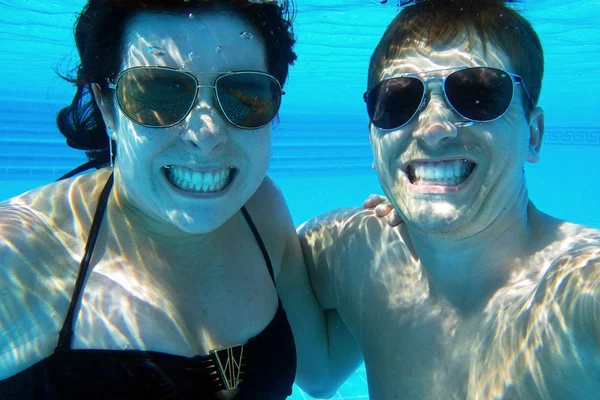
x,y
321,155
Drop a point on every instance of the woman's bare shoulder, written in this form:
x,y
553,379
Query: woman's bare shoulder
x,y
269,212
42,230
40,241
62,198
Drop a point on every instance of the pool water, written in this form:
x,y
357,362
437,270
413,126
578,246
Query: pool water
x,y
321,154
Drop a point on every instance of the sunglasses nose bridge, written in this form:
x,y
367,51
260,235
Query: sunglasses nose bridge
x,y
434,119
434,101
205,102
203,92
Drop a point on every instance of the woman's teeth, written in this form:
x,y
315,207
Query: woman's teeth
x,y
198,182
443,173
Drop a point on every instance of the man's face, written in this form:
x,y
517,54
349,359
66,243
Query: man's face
x,y
446,177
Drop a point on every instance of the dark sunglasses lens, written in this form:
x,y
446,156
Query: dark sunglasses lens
x,y
393,102
155,97
479,94
248,99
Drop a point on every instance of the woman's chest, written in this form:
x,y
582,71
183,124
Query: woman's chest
x,y
186,300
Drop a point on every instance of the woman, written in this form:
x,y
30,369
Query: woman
x,y
155,278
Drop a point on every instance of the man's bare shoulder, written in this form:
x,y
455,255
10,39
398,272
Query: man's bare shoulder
x,y
572,248
345,224
571,278
352,237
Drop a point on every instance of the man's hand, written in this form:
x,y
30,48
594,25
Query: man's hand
x,y
383,209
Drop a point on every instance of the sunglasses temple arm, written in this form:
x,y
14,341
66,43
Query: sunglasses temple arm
x,y
519,81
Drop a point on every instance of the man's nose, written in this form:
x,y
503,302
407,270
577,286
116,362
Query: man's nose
x,y
434,121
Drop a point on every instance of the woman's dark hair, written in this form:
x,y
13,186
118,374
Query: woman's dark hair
x,y
98,35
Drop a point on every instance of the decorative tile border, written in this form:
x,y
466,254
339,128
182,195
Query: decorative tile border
x,y
572,136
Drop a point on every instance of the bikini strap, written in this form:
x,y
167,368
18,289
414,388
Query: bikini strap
x,y
66,333
260,242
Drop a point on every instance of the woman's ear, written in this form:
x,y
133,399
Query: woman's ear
x,y
536,134
105,107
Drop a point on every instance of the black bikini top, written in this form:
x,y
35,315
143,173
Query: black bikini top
x,y
263,369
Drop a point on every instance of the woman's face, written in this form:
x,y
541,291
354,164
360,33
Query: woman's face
x,y
158,171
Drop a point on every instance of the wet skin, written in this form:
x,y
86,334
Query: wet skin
x,y
477,294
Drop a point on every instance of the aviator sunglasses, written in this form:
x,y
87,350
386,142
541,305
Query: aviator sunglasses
x,y
161,97
478,94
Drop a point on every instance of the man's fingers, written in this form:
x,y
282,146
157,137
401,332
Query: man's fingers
x,y
373,201
393,218
383,209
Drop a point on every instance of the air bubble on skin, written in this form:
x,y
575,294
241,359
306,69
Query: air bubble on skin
x,y
246,35
219,49
156,51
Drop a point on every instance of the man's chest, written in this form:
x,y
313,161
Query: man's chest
x,y
520,350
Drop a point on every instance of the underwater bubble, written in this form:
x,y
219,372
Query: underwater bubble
x,y
246,35
460,124
219,49
192,56
157,51
191,15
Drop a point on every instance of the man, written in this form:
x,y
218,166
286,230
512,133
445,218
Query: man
x,y
477,294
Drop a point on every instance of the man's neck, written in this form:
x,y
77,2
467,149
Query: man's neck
x,y
467,270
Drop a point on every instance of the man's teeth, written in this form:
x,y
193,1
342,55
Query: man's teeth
x,y
198,182
445,173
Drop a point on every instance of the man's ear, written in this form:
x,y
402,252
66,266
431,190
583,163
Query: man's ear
x,y
536,134
105,107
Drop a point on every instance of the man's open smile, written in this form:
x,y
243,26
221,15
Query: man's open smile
x,y
439,173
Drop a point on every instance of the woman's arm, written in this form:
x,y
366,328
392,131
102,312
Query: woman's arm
x,y
327,353
28,289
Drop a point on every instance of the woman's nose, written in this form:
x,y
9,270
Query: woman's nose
x,y
205,127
